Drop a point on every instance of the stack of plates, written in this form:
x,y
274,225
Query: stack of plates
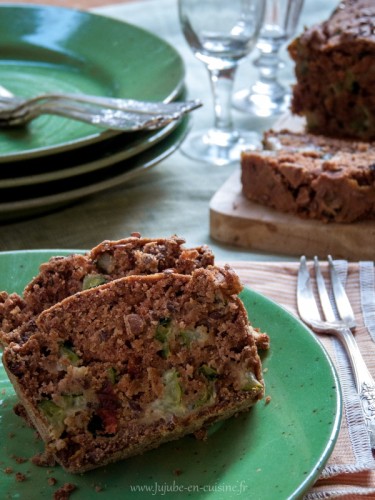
x,y
54,160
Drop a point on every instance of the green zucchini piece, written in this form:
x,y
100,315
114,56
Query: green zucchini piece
x,y
67,352
209,372
93,280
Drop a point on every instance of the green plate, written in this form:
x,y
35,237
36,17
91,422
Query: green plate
x,y
275,451
30,200
52,49
69,164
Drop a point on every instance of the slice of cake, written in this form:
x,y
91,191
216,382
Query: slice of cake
x,y
118,369
334,66
61,277
312,176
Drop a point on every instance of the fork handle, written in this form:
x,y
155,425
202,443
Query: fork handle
x,y
364,381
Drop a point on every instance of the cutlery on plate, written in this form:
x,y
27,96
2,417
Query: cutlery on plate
x,y
105,112
103,118
9,102
338,323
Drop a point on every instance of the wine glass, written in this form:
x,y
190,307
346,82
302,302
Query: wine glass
x,y
268,97
220,34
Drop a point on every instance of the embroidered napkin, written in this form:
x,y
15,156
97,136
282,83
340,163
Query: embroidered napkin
x,y
350,470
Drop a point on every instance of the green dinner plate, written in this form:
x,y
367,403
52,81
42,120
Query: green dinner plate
x,y
53,49
30,200
275,451
70,164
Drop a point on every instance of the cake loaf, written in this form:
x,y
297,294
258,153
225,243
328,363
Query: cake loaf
x,y
120,368
61,277
312,176
335,73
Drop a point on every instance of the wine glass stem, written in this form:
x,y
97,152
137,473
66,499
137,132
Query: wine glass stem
x,y
222,81
268,65
267,84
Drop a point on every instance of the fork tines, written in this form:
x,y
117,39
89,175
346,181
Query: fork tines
x,y
340,300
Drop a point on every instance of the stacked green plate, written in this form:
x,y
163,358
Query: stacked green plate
x,y
55,160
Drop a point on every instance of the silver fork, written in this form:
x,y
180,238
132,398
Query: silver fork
x,y
104,112
10,103
104,118
339,324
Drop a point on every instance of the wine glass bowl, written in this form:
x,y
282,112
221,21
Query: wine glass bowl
x,y
268,97
220,34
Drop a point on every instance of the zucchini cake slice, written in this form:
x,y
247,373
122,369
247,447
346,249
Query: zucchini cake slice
x,y
61,277
312,176
118,369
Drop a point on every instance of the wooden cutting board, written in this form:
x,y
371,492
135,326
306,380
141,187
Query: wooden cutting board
x,y
238,221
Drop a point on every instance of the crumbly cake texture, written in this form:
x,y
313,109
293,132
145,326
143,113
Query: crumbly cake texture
x,y
118,369
61,277
13,313
312,176
335,87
